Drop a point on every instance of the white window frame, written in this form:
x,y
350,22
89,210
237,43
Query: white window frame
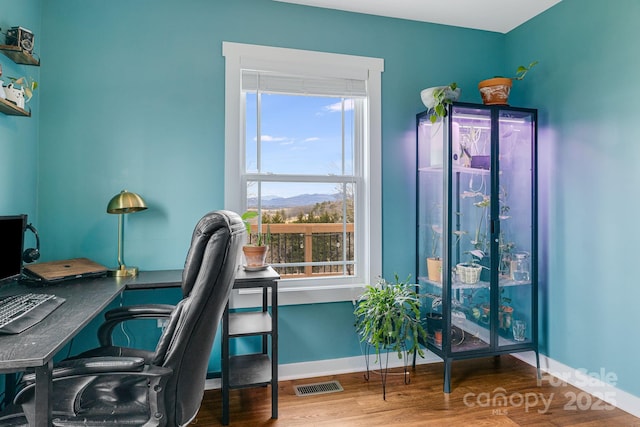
x,y
369,210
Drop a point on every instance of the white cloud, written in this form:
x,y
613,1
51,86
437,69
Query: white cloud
x,y
269,138
312,139
337,107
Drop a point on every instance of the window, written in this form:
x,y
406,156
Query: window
x,y
302,148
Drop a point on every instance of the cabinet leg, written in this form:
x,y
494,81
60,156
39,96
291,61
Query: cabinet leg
x,y
274,401
447,375
225,407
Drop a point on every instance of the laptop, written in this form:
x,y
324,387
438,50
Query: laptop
x,y
56,271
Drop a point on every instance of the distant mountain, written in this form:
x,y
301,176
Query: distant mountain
x,y
274,202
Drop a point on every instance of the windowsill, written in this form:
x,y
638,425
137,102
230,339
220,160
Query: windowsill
x,y
296,295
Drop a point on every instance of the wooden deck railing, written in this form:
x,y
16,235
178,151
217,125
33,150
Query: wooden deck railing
x,y
310,249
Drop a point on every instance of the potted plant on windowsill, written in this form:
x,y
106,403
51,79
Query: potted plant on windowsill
x,y
255,254
495,91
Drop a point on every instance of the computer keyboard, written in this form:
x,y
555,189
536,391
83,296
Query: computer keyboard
x,y
19,312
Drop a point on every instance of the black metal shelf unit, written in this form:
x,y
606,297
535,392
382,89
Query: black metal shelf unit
x,y
476,233
257,369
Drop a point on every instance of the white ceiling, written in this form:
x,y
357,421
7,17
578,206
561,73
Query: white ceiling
x,y
492,15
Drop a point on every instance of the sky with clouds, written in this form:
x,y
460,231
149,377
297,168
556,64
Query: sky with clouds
x,y
299,135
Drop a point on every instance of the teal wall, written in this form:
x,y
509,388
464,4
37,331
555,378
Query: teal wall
x,y
19,135
588,93
132,97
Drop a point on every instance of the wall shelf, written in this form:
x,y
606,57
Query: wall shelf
x,y
19,56
11,109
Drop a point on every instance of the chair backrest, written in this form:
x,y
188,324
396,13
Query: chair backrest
x,y
185,346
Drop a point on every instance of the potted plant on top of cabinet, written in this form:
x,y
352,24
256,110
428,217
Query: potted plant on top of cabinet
x,y
437,98
495,91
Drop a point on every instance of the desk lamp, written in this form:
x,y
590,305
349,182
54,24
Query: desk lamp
x,y
124,203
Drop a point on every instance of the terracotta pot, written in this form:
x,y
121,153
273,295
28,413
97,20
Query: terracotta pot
x,y
486,309
438,337
495,91
255,256
505,316
434,323
486,312
434,269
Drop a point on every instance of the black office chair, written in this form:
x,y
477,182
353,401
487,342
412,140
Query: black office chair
x,y
121,386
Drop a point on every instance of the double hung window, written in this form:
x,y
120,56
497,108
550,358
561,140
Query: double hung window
x,y
303,151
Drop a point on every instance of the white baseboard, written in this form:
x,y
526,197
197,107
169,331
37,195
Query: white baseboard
x,y
599,384
595,384
345,365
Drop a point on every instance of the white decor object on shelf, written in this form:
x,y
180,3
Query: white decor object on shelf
x,y
15,95
428,99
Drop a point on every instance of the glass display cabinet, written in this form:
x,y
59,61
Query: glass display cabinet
x,y
477,232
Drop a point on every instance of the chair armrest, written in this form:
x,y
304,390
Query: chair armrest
x,y
92,366
139,310
89,368
121,314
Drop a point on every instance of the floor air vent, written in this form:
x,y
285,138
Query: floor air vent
x,y
318,388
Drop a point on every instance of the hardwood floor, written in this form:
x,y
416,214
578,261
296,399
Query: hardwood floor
x,y
485,392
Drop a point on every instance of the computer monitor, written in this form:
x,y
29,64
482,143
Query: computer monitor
x,y
11,246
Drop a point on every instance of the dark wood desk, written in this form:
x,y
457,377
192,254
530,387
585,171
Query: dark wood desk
x,y
85,299
35,347
156,279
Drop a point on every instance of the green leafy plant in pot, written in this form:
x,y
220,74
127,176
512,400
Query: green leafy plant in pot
x,y
437,98
255,254
495,91
388,317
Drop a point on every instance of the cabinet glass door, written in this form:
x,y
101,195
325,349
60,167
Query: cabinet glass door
x,y
515,237
431,159
469,229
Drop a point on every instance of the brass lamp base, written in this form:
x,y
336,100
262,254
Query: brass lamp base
x,y
124,271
